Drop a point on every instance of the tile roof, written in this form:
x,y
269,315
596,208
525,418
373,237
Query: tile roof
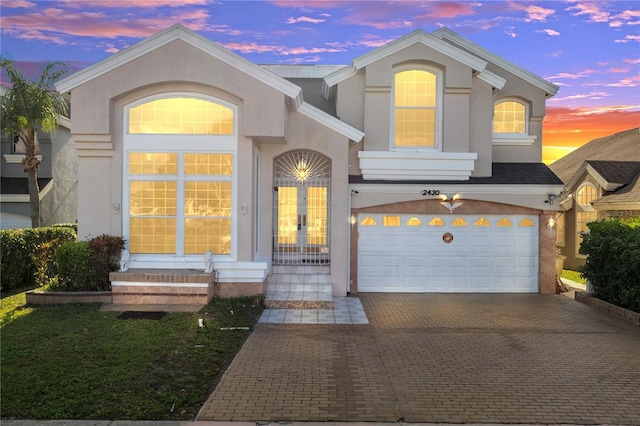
x,y
502,174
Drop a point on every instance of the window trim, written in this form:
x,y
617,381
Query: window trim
x,y
561,229
580,208
437,146
181,144
511,139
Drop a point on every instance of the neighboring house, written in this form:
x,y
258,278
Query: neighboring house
x,y
417,168
602,180
57,179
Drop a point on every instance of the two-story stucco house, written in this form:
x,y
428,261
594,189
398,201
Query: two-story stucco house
x,y
417,168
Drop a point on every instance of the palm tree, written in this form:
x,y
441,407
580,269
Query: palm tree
x,y
26,108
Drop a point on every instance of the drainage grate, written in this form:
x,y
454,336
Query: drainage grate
x,y
141,315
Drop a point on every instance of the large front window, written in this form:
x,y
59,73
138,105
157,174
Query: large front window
x,y
415,109
180,203
180,177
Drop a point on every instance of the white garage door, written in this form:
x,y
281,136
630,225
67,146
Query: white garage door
x,y
485,253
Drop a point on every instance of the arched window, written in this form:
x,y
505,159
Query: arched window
x,y
511,123
510,117
180,178
416,108
585,212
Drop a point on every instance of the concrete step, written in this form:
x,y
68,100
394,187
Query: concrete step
x,y
299,287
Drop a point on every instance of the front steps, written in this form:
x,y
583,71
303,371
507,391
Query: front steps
x,y
299,287
157,286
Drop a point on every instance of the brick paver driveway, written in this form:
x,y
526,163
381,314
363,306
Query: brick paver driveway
x,y
440,358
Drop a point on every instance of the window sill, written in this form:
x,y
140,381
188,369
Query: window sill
x,y
513,140
17,158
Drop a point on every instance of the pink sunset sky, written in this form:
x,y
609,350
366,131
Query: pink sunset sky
x,y
590,49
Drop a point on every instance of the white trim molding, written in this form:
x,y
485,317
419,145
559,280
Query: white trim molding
x,y
446,34
180,32
509,139
415,165
17,158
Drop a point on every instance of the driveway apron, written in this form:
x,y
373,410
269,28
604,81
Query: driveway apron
x,y
436,358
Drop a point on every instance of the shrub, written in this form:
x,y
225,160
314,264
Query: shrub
x,y
73,226
106,251
14,271
21,255
613,261
73,260
85,265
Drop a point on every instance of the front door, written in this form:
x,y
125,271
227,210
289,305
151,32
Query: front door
x,y
301,202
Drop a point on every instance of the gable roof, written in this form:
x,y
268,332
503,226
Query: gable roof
x,y
615,173
446,34
622,146
417,37
626,198
180,32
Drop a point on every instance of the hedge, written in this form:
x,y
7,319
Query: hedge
x,y
612,266
26,255
85,265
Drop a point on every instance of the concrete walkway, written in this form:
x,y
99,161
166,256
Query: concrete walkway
x,y
435,358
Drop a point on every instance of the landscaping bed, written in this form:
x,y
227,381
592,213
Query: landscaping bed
x,y
40,297
601,305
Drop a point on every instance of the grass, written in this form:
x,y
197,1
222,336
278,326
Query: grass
x,y
574,276
77,362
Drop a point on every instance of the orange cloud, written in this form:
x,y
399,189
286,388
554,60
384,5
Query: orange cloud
x,y
566,129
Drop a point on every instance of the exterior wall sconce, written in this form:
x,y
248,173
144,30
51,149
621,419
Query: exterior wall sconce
x,y
552,197
352,220
551,223
449,202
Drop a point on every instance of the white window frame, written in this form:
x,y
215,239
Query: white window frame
x,y
582,208
511,139
179,143
437,146
561,226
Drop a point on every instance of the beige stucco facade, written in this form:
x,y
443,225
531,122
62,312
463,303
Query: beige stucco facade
x,y
272,119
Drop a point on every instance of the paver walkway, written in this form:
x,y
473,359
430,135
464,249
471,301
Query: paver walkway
x,y
440,358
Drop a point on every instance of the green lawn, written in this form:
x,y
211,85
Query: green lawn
x,y
77,362
573,276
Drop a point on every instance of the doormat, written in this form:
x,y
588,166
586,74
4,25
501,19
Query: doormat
x,y
151,315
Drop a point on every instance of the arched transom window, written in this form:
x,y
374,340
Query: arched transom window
x,y
416,105
181,116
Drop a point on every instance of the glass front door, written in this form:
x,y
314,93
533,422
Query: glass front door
x,y
301,217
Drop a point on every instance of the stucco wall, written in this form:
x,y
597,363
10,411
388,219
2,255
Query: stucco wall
x,y
305,133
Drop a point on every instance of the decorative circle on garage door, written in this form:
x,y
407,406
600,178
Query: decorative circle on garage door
x,y
447,237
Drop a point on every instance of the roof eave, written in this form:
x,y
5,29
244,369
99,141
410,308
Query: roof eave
x,y
418,36
549,88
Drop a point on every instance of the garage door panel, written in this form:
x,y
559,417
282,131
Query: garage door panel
x,y
479,259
